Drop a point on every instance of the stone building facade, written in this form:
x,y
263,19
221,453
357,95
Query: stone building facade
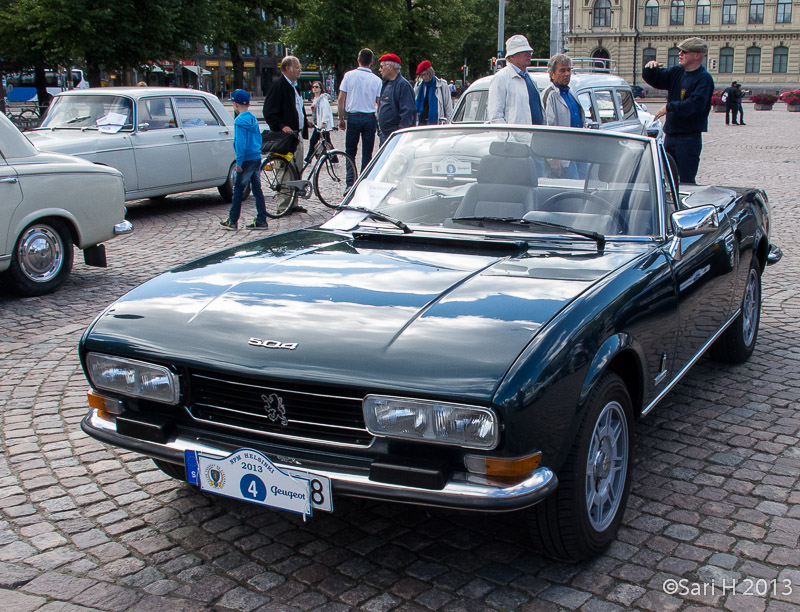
x,y
754,42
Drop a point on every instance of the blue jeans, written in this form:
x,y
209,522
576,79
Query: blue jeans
x,y
685,148
251,173
363,126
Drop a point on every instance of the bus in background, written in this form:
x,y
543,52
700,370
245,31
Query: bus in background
x,y
20,86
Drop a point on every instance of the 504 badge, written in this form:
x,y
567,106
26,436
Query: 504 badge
x,y
249,475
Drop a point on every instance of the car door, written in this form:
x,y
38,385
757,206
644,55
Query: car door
x,y
10,199
704,274
159,145
210,140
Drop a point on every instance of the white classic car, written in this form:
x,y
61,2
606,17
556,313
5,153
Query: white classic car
x,y
48,202
163,139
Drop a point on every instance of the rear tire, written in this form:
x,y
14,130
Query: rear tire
x,y
226,189
279,199
582,517
330,179
736,343
42,258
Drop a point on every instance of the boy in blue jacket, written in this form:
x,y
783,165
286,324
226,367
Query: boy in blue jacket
x,y
247,146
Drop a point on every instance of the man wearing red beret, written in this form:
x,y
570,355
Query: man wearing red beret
x,y
433,99
396,109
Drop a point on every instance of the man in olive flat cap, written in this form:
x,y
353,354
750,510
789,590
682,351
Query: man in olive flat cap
x,y
689,89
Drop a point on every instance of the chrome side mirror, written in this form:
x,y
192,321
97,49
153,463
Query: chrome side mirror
x,y
692,222
143,127
593,125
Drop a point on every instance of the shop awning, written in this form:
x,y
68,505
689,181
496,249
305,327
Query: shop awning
x,y
198,70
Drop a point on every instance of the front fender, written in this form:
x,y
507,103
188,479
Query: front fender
x,y
602,359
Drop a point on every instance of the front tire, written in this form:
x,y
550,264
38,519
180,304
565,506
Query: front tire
x,y
330,179
582,517
736,343
276,171
42,258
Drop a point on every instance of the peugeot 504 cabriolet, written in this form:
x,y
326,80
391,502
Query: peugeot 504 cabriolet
x,y
480,328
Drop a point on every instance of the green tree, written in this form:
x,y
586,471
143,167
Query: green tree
x,y
333,32
237,23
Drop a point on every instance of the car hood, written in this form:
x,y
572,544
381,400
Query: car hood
x,y
75,141
408,316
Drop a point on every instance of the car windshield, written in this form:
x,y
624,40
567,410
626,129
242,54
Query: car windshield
x,y
104,113
521,180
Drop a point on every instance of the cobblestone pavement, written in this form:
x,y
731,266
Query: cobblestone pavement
x,y
715,500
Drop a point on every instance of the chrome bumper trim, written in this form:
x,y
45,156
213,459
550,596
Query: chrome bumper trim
x,y
464,491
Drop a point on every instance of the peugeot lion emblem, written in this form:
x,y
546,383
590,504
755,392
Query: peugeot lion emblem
x,y
273,406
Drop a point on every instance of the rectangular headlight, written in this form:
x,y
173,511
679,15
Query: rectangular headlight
x,y
133,378
431,421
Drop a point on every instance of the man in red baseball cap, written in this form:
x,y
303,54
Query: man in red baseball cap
x,y
396,109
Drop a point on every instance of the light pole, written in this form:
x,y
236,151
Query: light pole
x,y
501,22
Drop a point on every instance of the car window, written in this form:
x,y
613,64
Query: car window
x,y
605,105
585,99
626,104
195,112
473,107
157,113
106,113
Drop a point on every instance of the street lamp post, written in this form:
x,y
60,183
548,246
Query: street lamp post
x,y
501,22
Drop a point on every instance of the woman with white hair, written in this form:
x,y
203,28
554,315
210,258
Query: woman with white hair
x,y
434,102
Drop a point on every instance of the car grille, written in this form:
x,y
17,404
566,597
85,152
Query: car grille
x,y
282,411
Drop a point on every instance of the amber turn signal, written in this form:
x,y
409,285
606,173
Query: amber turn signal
x,y
502,467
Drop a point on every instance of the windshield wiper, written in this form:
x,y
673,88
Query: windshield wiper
x,y
600,239
380,217
75,120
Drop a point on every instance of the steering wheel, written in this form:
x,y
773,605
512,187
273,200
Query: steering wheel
x,y
612,210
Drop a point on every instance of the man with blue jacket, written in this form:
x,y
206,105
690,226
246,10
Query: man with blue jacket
x,y
247,147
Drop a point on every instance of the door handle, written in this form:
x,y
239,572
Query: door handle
x,y
225,132
179,136
8,180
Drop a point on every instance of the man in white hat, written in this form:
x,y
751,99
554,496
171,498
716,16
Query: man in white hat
x,y
513,98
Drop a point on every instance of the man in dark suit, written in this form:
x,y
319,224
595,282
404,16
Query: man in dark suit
x,y
283,110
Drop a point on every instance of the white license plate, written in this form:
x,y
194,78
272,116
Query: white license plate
x,y
250,476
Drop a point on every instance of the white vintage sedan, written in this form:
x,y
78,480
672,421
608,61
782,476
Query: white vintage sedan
x,y
48,203
163,139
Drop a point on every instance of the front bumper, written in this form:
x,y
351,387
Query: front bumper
x,y
463,491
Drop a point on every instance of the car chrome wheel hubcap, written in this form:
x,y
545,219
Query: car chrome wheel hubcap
x,y
40,254
607,466
750,308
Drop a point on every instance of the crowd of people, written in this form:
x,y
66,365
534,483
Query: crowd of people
x,y
368,105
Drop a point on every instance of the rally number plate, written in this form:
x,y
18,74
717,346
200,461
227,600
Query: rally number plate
x,y
250,476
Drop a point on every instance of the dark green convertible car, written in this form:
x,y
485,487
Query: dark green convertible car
x,y
480,328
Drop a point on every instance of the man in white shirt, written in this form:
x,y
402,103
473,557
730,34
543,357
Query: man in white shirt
x,y
513,98
359,93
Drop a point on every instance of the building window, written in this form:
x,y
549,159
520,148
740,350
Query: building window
x,y
676,12
672,57
753,60
726,59
651,13
648,55
784,14
780,59
756,11
602,14
247,51
703,13
728,11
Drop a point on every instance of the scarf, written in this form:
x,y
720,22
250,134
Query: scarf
x,y
429,90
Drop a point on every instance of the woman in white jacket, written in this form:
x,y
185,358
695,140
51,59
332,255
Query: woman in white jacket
x,y
434,102
322,118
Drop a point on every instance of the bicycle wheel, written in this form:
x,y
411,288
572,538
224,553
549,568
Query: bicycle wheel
x,y
329,177
275,173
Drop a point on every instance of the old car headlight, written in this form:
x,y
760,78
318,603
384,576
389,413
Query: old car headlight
x,y
133,378
431,421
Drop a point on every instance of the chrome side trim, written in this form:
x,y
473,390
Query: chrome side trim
x,y
689,364
463,491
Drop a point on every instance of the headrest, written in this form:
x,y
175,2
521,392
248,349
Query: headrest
x,y
508,170
509,149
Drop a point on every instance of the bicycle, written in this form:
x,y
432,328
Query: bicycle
x,y
26,118
279,176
